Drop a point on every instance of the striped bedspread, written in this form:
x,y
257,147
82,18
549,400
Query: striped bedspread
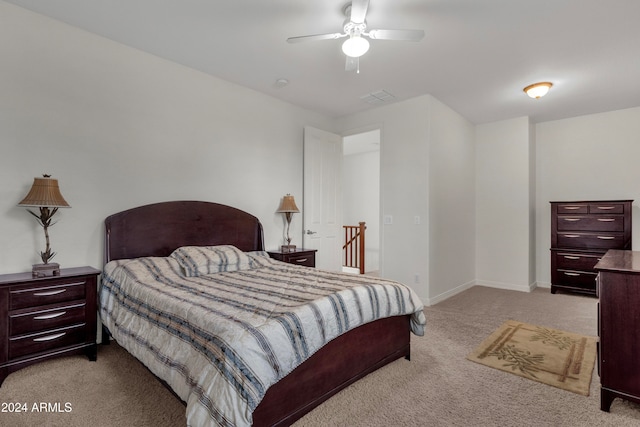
x,y
221,339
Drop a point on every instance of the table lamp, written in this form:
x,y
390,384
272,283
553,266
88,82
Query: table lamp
x,y
288,208
45,195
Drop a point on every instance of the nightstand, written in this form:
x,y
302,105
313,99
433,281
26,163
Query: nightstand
x,y
298,256
46,317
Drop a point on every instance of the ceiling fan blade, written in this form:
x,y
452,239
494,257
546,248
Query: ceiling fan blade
x,y
359,11
352,64
299,39
406,35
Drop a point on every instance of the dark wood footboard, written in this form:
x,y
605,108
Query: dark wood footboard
x,y
335,366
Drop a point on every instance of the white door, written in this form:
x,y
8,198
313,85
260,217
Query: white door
x,y
322,198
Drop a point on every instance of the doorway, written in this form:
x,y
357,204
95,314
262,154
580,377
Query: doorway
x,y
361,190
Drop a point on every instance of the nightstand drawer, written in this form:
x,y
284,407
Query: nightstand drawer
x,y
306,259
34,296
43,341
298,256
21,322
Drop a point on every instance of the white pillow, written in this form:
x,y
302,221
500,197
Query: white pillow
x,y
199,260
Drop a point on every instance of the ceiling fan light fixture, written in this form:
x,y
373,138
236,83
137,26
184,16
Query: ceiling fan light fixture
x,y
355,46
538,90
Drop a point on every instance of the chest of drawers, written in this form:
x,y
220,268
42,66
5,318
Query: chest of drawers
x,y
619,327
47,317
581,233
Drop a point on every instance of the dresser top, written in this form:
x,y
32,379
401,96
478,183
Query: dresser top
x,y
620,260
595,201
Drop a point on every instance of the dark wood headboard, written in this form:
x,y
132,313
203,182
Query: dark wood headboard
x,y
160,228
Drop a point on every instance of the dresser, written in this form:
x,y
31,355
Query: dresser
x,y
46,317
581,233
298,256
619,326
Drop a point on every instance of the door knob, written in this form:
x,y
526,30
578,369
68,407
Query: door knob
x,y
311,232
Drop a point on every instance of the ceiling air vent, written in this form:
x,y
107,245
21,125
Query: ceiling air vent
x,y
377,97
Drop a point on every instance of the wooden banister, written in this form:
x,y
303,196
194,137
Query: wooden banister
x,y
353,247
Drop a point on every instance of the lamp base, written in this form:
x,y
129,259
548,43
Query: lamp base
x,y
288,248
45,270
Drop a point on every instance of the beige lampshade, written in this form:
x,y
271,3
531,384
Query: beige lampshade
x,y
45,192
288,205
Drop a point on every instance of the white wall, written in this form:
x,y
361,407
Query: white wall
x,y
503,204
593,157
452,171
409,173
403,186
120,128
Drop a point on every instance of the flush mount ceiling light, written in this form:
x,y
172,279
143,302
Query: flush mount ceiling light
x,y
538,90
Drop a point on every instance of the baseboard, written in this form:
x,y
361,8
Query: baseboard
x,y
487,283
507,286
448,294
546,285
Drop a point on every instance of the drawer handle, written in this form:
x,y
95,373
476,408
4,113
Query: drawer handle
x,y
50,337
571,274
606,219
50,316
571,208
49,293
571,257
606,237
302,259
606,208
572,236
572,219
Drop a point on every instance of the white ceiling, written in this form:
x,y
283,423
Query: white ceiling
x,y
476,56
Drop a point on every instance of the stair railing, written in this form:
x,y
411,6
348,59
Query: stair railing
x,y
353,247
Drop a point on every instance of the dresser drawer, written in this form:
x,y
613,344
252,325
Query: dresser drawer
x,y
591,240
573,208
576,261
614,223
606,208
56,338
23,321
52,293
578,279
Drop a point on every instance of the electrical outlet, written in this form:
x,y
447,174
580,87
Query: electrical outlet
x,y
387,220
416,219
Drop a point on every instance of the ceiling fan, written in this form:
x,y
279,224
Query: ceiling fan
x,y
355,27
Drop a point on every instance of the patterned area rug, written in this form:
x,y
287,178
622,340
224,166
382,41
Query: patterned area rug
x,y
550,356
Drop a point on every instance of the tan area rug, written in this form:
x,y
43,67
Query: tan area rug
x,y
550,356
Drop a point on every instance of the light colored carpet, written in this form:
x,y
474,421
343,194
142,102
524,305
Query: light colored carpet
x,y
438,387
558,358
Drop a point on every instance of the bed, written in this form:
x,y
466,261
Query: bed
x,y
139,242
